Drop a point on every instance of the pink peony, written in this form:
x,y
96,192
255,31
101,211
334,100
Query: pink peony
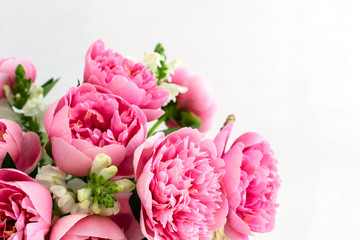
x,y
251,183
26,151
179,185
82,226
88,121
126,220
25,207
199,99
7,72
132,81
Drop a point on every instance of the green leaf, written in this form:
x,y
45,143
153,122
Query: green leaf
x,y
48,149
170,130
49,85
8,162
135,205
34,173
189,119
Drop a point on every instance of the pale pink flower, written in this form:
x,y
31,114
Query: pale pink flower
x,y
179,184
26,151
7,72
251,182
132,81
89,120
25,207
199,98
82,226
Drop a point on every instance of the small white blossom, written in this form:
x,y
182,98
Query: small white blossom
x,y
50,175
174,90
108,172
75,184
100,161
152,60
125,185
35,105
58,191
84,194
171,68
67,202
110,211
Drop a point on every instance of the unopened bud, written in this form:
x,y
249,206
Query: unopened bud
x,y
125,185
83,194
100,161
109,172
95,208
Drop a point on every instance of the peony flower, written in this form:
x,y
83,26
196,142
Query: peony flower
x,y
7,72
26,151
251,184
88,121
199,98
179,185
125,219
131,81
25,207
82,226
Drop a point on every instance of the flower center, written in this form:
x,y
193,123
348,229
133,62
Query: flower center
x,y
2,132
7,227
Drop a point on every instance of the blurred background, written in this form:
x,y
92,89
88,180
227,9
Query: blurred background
x,y
288,70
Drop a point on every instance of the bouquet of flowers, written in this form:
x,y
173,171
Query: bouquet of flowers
x,y
88,166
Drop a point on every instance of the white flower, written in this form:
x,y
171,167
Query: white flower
x,y
104,211
152,60
173,89
125,185
50,175
108,172
100,161
84,194
75,184
67,202
35,105
171,68
58,191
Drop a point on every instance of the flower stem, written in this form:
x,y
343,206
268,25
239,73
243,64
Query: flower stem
x,y
159,121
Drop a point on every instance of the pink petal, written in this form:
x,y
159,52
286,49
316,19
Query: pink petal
x,y
31,153
69,159
221,139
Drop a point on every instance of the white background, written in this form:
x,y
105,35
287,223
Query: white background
x,y
288,70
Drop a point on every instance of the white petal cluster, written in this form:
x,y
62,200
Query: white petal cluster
x,y
174,90
152,60
35,105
